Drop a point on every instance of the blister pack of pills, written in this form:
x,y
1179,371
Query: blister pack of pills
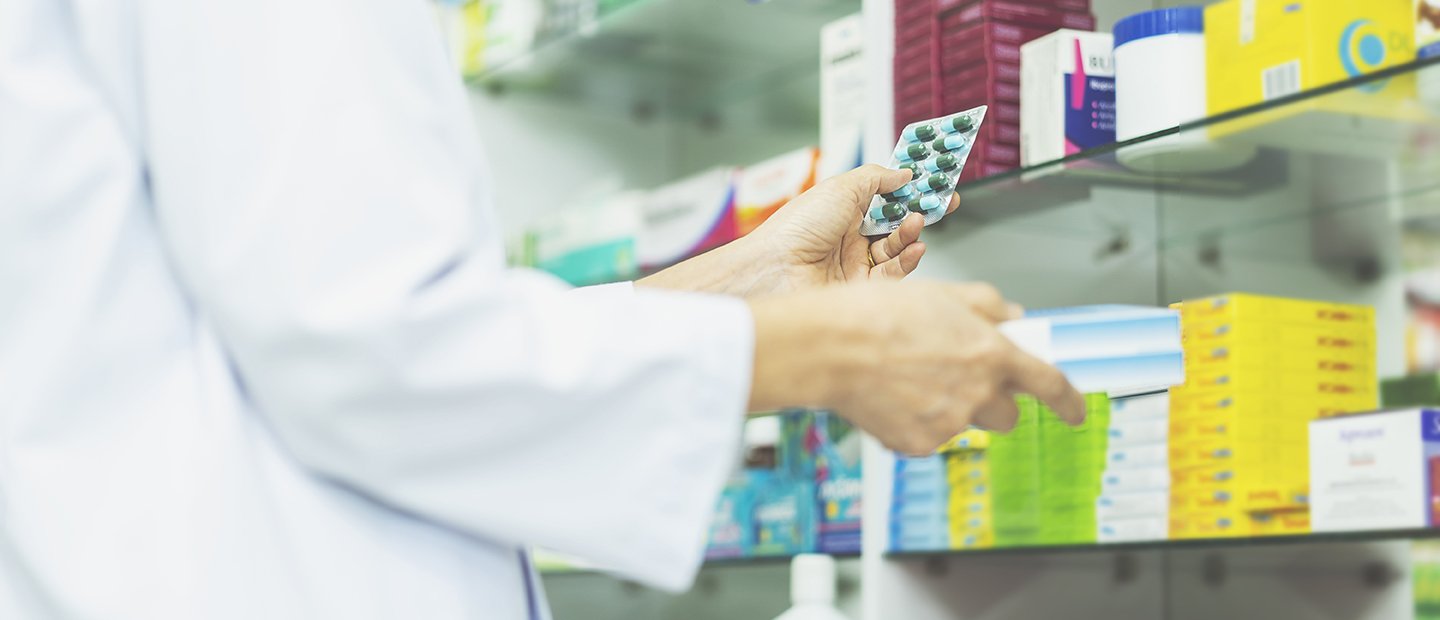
x,y
934,152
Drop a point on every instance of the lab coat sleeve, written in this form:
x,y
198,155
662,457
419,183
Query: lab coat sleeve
x,y
316,177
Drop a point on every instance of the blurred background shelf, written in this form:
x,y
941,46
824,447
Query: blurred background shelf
x,y
682,58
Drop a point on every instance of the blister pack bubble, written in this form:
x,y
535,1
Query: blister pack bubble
x,y
934,152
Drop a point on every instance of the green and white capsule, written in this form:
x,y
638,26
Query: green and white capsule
x,y
889,212
924,204
900,195
935,183
915,170
940,165
960,123
950,143
919,133
912,153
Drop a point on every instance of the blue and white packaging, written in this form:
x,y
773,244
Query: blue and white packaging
x,y
919,510
1135,457
1137,529
1067,95
1109,348
1132,433
1132,505
1139,408
1375,471
1121,481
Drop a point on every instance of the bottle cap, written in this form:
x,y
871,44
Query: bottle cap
x,y
812,579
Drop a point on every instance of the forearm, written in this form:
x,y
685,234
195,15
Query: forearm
x,y
806,354
740,268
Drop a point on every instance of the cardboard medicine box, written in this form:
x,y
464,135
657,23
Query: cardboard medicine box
x,y
1262,50
1375,471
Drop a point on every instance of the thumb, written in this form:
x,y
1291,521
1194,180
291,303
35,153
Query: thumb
x,y
871,179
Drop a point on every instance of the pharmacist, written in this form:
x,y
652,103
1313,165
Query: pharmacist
x,y
260,357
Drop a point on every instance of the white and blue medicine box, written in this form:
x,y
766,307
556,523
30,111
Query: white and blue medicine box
x,y
1375,471
1107,348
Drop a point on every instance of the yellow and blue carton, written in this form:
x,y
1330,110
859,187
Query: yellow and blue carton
x,y
1262,50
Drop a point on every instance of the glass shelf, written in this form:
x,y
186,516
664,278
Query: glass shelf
x,y
1316,157
721,563
1327,538
683,58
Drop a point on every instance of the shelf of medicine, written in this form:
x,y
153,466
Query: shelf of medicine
x,y
1325,538
1327,148
684,58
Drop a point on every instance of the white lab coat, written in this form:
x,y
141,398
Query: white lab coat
x,y
260,358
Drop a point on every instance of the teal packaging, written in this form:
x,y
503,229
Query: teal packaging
x,y
835,447
730,529
782,516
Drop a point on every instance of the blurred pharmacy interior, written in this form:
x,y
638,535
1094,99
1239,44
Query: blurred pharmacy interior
x,y
1256,182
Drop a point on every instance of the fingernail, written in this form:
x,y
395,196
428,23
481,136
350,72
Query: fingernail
x,y
1017,311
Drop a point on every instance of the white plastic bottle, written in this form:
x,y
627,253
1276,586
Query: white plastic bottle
x,y
812,589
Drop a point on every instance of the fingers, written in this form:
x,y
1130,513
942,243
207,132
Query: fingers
x,y
868,180
984,299
900,266
1032,376
954,204
999,415
891,246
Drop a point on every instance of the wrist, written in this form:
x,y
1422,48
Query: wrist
x,y
746,267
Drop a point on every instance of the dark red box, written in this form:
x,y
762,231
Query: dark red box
x,y
980,91
952,56
999,133
996,153
1015,12
976,170
991,32
999,112
983,71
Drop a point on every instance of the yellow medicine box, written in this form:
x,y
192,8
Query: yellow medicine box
x,y
1262,50
973,540
1285,336
1189,527
1301,406
973,439
1247,307
1280,523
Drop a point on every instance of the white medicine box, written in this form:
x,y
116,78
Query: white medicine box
x,y
1067,94
1375,471
842,96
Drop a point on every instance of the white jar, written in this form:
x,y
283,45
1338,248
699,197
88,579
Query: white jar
x,y
1159,84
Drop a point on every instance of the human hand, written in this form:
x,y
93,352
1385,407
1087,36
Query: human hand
x,y
913,364
815,239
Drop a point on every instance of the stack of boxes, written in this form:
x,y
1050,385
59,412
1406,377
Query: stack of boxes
x,y
953,55
1259,369
1015,482
968,471
800,490
1135,502
1045,476
920,505
1072,460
